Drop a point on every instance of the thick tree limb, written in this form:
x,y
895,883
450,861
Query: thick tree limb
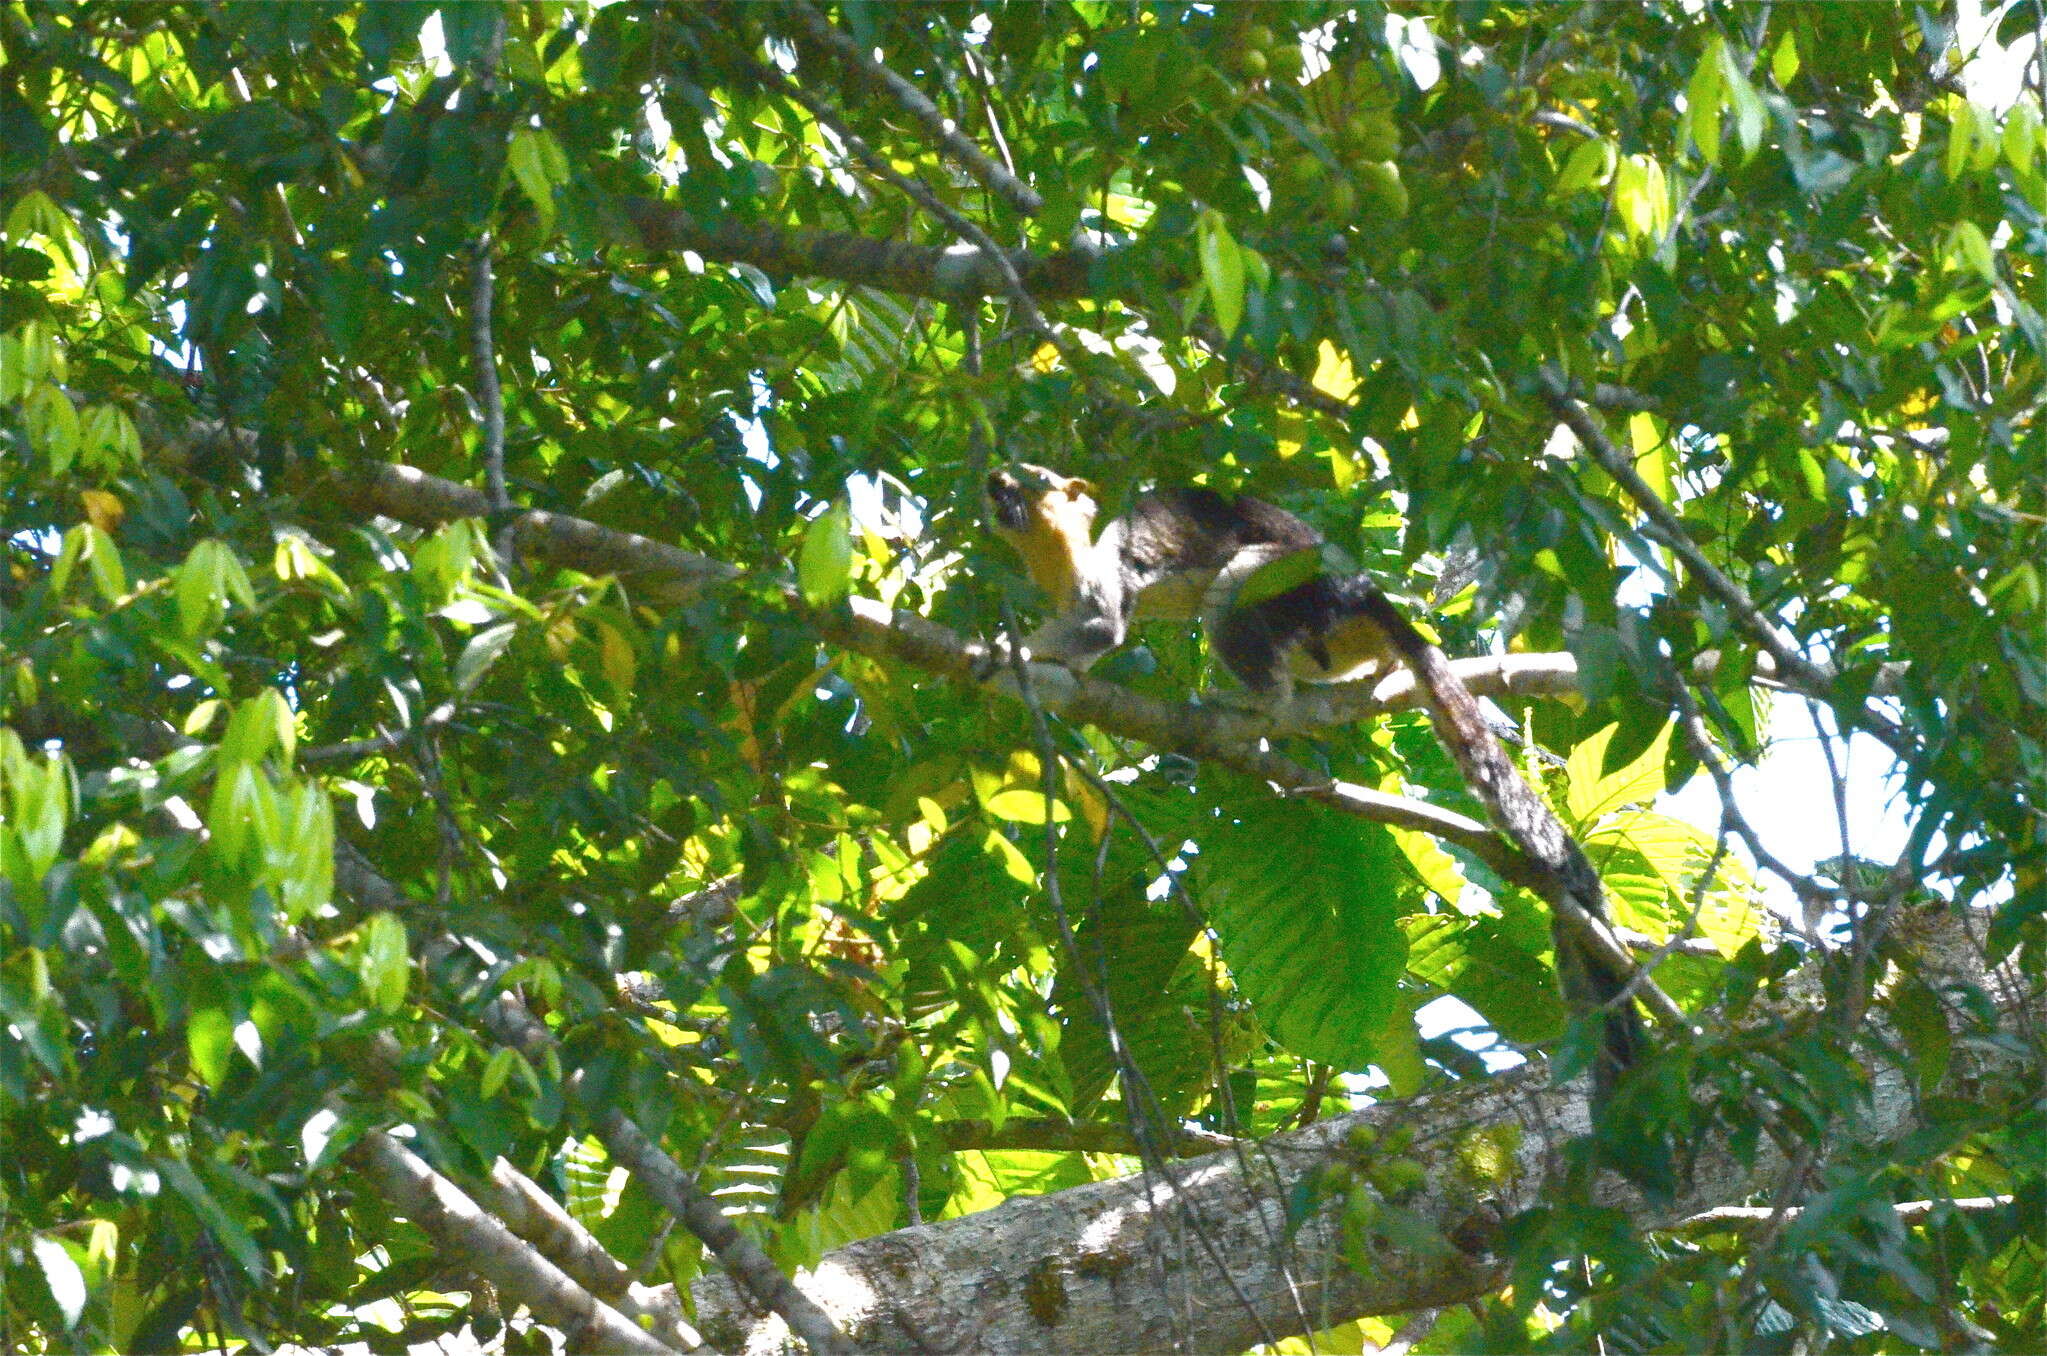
x,y
541,1220
1103,1267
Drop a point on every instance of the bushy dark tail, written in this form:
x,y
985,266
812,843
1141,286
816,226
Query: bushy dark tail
x,y
1561,873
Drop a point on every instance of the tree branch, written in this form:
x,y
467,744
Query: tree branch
x,y
488,1248
741,1257
992,176
960,272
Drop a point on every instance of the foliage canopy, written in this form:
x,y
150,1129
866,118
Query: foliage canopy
x,y
1698,343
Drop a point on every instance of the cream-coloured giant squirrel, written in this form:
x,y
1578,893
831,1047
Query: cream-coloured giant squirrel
x,y
1182,553
1178,554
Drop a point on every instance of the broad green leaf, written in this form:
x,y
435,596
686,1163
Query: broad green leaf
x,y
1590,795
1784,60
824,565
1963,130
1334,375
484,649
52,423
532,157
1704,98
1642,198
1279,576
1652,446
230,812
1474,959
209,1036
1305,903
1589,166
1024,805
307,880
1967,247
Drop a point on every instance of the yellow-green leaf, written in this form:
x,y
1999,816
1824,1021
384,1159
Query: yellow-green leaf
x,y
824,565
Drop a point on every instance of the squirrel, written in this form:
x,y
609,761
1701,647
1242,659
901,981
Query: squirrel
x,y
1176,555
1182,553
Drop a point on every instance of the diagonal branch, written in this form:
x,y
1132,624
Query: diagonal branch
x,y
994,177
1792,667
742,1258
487,1247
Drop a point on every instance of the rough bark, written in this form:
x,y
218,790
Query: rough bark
x,y
1122,1265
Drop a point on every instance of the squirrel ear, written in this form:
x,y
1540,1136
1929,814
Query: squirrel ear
x,y
1078,488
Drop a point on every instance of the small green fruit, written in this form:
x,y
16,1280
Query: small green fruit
x,y
1288,62
1372,138
1258,36
1251,64
1384,194
1341,203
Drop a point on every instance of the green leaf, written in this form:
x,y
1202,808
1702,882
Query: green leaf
x,y
484,649
1967,246
383,961
824,565
52,423
1305,903
1703,100
307,878
1961,137
224,1227
1279,576
1222,269
533,166
231,811
104,559
1784,60
61,1273
1024,805
1589,166
1916,1009
1590,795
210,1037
